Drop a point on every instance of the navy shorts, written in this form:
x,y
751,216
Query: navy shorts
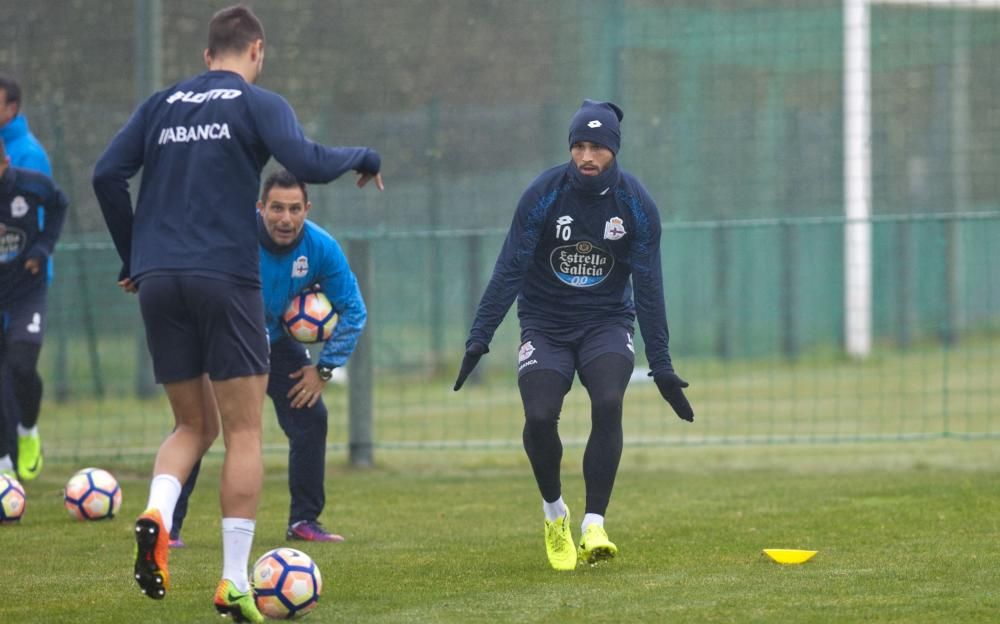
x,y
24,320
197,325
570,351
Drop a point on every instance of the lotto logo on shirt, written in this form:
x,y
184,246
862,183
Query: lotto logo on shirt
x,y
190,97
581,265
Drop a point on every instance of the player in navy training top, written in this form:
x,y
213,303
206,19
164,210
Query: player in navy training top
x,y
190,250
26,243
582,257
25,152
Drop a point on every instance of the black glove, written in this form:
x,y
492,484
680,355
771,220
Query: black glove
x,y
670,387
473,352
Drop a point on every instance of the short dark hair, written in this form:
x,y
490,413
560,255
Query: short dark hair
x,y
282,178
233,29
13,90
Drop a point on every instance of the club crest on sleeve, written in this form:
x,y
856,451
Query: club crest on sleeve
x,y
18,207
300,267
614,229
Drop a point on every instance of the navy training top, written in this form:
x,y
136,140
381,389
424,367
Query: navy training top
x,y
202,144
24,196
574,243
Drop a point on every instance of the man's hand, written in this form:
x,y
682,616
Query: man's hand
x,y
473,352
309,388
670,386
128,285
33,265
364,178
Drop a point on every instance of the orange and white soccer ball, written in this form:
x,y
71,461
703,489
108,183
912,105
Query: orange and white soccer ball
x,y
12,500
286,583
92,494
310,317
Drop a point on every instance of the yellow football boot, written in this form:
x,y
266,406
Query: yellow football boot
x,y
559,543
595,545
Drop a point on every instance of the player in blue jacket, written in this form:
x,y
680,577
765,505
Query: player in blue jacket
x,y
25,247
297,254
582,257
190,251
25,152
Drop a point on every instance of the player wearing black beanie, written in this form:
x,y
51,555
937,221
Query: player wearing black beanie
x,y
585,234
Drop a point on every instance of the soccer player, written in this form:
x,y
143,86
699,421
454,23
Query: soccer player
x,y
25,152
582,256
26,243
190,251
295,255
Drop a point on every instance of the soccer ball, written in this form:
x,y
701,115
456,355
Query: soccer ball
x,y
11,500
309,317
286,583
93,494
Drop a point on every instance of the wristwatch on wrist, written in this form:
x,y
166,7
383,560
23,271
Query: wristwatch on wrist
x,y
325,372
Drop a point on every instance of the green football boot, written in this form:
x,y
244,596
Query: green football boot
x,y
240,605
29,456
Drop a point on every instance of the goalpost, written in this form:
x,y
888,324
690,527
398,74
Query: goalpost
x,y
857,159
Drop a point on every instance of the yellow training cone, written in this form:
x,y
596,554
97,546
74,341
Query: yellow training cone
x,y
787,556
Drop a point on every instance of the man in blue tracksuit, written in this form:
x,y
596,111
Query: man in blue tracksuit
x,y
25,248
582,257
25,152
296,255
189,249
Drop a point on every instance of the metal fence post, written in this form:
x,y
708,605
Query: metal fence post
x,y
723,334
473,250
360,380
789,291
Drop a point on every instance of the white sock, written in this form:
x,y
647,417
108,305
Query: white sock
x,y
554,510
237,539
163,494
6,463
589,519
24,433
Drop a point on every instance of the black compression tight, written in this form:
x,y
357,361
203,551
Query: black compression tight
x,y
542,393
22,359
605,378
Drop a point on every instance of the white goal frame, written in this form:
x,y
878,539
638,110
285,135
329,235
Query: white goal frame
x,y
857,161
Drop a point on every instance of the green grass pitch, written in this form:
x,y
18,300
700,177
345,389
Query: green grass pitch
x,y
905,533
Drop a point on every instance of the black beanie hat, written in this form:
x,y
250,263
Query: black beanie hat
x,y
597,122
